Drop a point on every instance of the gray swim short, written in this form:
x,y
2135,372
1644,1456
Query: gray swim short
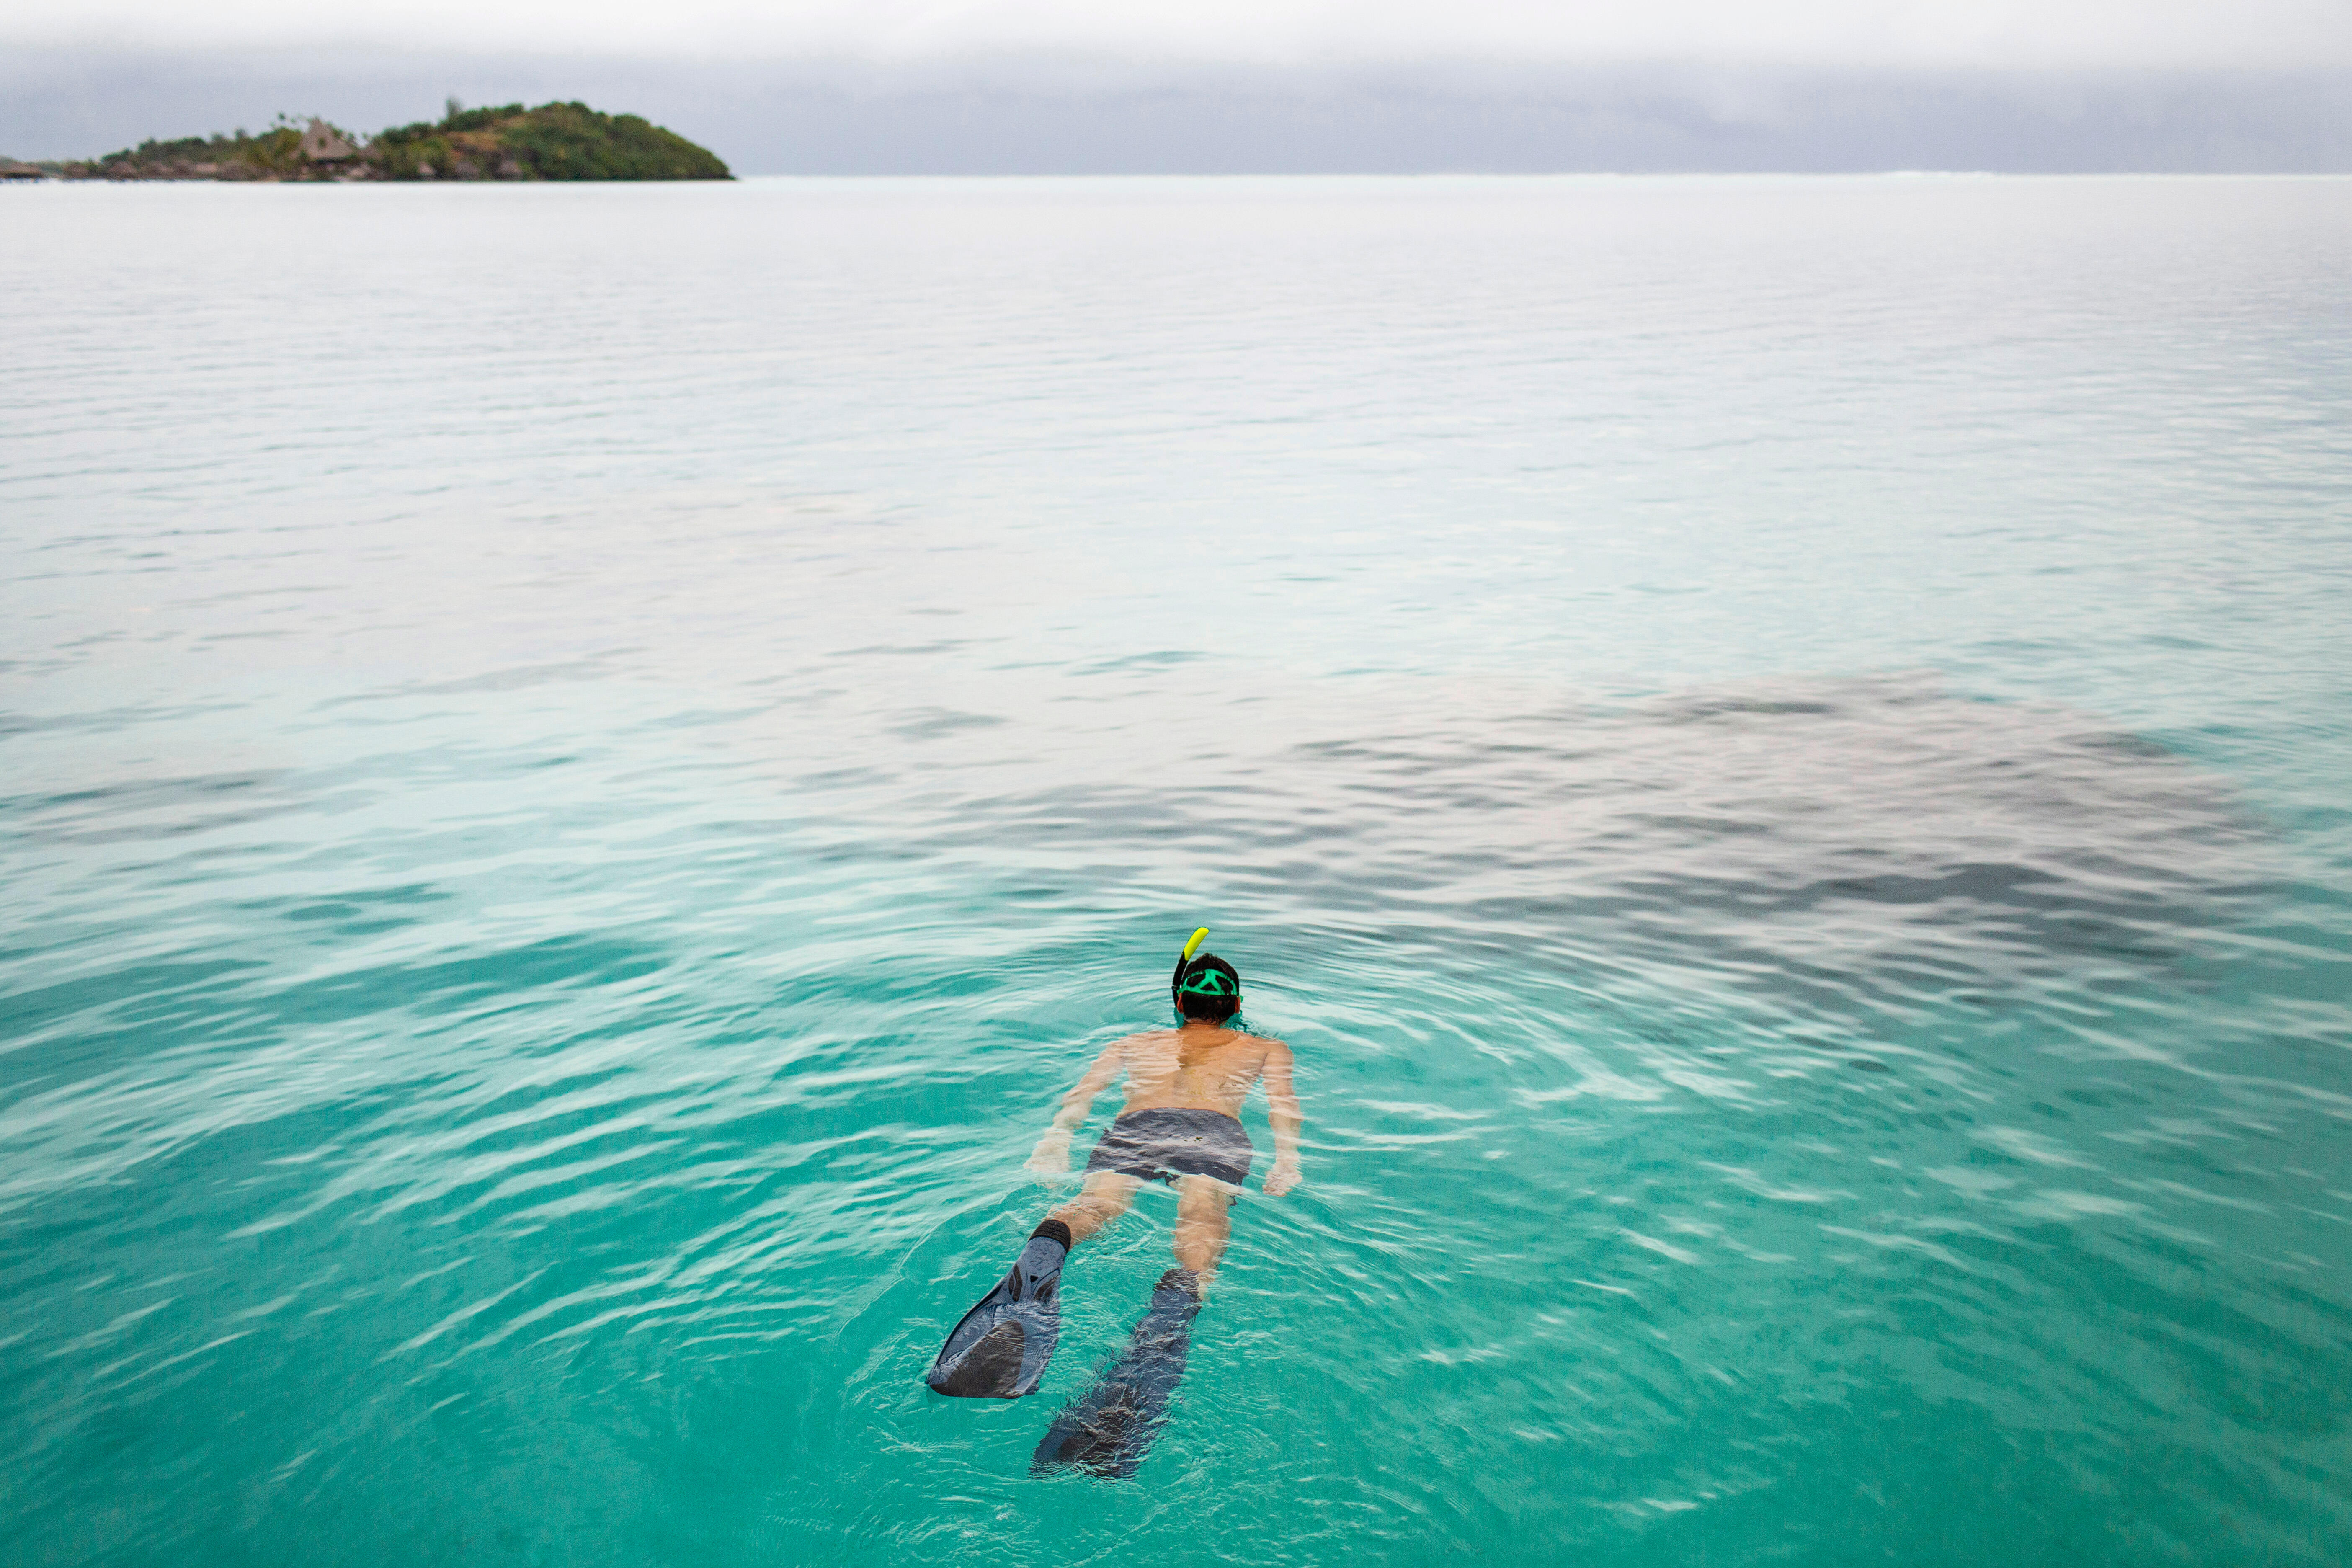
x,y
1161,1145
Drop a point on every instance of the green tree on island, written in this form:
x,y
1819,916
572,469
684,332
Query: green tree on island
x,y
553,142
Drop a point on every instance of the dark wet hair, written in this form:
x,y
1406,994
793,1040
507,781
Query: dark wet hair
x,y
1209,988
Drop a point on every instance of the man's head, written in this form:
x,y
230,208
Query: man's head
x,y
1209,990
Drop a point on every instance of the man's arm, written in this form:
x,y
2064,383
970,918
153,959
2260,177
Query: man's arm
x,y
1282,1110
1051,1156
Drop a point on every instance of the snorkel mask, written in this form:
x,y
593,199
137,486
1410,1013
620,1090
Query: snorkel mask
x,y
1210,978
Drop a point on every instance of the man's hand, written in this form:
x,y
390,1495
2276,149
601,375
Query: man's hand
x,y
1282,1178
1051,1156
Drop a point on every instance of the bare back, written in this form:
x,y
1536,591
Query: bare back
x,y
1200,1067
1195,1069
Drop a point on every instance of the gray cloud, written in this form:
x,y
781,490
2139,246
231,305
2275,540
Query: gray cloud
x,y
1317,34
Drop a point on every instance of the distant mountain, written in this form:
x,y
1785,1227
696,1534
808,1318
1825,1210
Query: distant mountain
x,y
553,142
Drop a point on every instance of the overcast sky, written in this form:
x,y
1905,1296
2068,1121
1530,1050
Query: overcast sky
x,y
1995,34
1243,86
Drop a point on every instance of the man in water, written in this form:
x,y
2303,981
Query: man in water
x,y
1183,1086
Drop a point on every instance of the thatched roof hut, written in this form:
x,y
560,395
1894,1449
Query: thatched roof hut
x,y
322,145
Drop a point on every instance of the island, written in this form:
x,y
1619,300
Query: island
x,y
552,142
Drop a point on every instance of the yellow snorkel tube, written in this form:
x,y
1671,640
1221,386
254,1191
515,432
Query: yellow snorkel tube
x,y
1182,958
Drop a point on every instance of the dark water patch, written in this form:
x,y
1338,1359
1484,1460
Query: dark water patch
x,y
109,721
145,987
1892,846
515,679
932,724
135,810
1164,658
360,913
462,982
908,650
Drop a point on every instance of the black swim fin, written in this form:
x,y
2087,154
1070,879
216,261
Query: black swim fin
x,y
1109,1426
1000,1348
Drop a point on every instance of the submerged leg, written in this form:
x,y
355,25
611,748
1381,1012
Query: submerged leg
x,y
1106,1429
1203,1222
1103,1199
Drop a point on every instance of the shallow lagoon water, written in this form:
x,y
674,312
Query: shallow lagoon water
x,y
581,767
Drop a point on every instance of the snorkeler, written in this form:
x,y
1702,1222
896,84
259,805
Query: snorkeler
x,y
1183,1086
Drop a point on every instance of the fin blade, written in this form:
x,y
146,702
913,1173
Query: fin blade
x,y
990,1370
1107,1430
1000,1349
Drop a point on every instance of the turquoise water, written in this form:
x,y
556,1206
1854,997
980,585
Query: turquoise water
x,y
582,766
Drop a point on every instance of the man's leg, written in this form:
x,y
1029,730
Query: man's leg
x,y
1106,1429
1202,1223
1103,1199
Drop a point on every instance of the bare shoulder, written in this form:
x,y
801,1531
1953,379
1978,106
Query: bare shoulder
x,y
1116,1050
1274,1050
1141,1040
